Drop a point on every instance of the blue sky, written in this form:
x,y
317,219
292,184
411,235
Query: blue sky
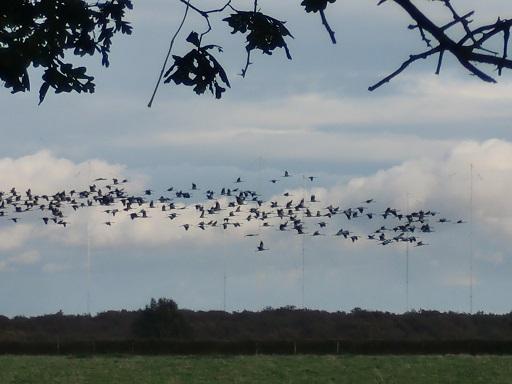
x,y
413,139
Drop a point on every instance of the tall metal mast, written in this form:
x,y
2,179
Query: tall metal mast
x,y
407,264
471,239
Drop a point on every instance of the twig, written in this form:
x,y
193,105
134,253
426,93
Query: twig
x,y
506,37
405,64
248,59
206,14
247,63
327,26
439,62
465,54
458,19
169,54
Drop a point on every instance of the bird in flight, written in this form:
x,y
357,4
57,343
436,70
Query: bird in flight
x,y
290,215
261,247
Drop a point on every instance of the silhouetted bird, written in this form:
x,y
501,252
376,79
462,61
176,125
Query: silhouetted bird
x,y
261,247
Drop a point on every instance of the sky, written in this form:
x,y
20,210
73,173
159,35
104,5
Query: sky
x,y
410,143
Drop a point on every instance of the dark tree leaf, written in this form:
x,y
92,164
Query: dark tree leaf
x,y
315,5
265,32
193,38
198,69
42,92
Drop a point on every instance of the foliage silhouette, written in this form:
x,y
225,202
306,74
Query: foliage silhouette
x,y
38,33
198,68
265,33
161,320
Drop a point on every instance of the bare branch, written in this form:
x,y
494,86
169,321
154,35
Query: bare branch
x,y
461,20
506,37
206,15
247,63
327,26
169,53
455,22
439,62
465,54
405,64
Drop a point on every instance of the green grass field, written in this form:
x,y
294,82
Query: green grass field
x,y
256,369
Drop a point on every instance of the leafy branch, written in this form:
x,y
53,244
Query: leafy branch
x,y
320,6
39,33
264,33
199,69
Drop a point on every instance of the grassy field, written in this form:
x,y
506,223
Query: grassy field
x,y
256,369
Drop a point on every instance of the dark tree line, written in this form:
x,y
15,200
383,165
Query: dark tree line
x,y
162,319
45,33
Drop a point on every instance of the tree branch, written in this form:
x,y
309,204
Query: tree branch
x,y
162,71
327,26
465,54
405,64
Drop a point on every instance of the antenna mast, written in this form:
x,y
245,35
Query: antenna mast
x,y
88,270
88,297
302,239
224,290
407,264
471,239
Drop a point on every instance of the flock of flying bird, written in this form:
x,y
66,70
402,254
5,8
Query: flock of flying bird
x,y
230,208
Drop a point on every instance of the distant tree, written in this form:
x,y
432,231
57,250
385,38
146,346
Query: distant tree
x,y
161,320
39,33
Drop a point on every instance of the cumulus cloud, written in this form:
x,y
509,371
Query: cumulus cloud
x,y
440,182
45,173
14,236
444,182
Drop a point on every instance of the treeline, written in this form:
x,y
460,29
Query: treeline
x,y
162,319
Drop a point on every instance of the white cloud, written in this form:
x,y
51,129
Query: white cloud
x,y
459,280
328,127
14,236
439,182
43,172
416,99
25,258
443,184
